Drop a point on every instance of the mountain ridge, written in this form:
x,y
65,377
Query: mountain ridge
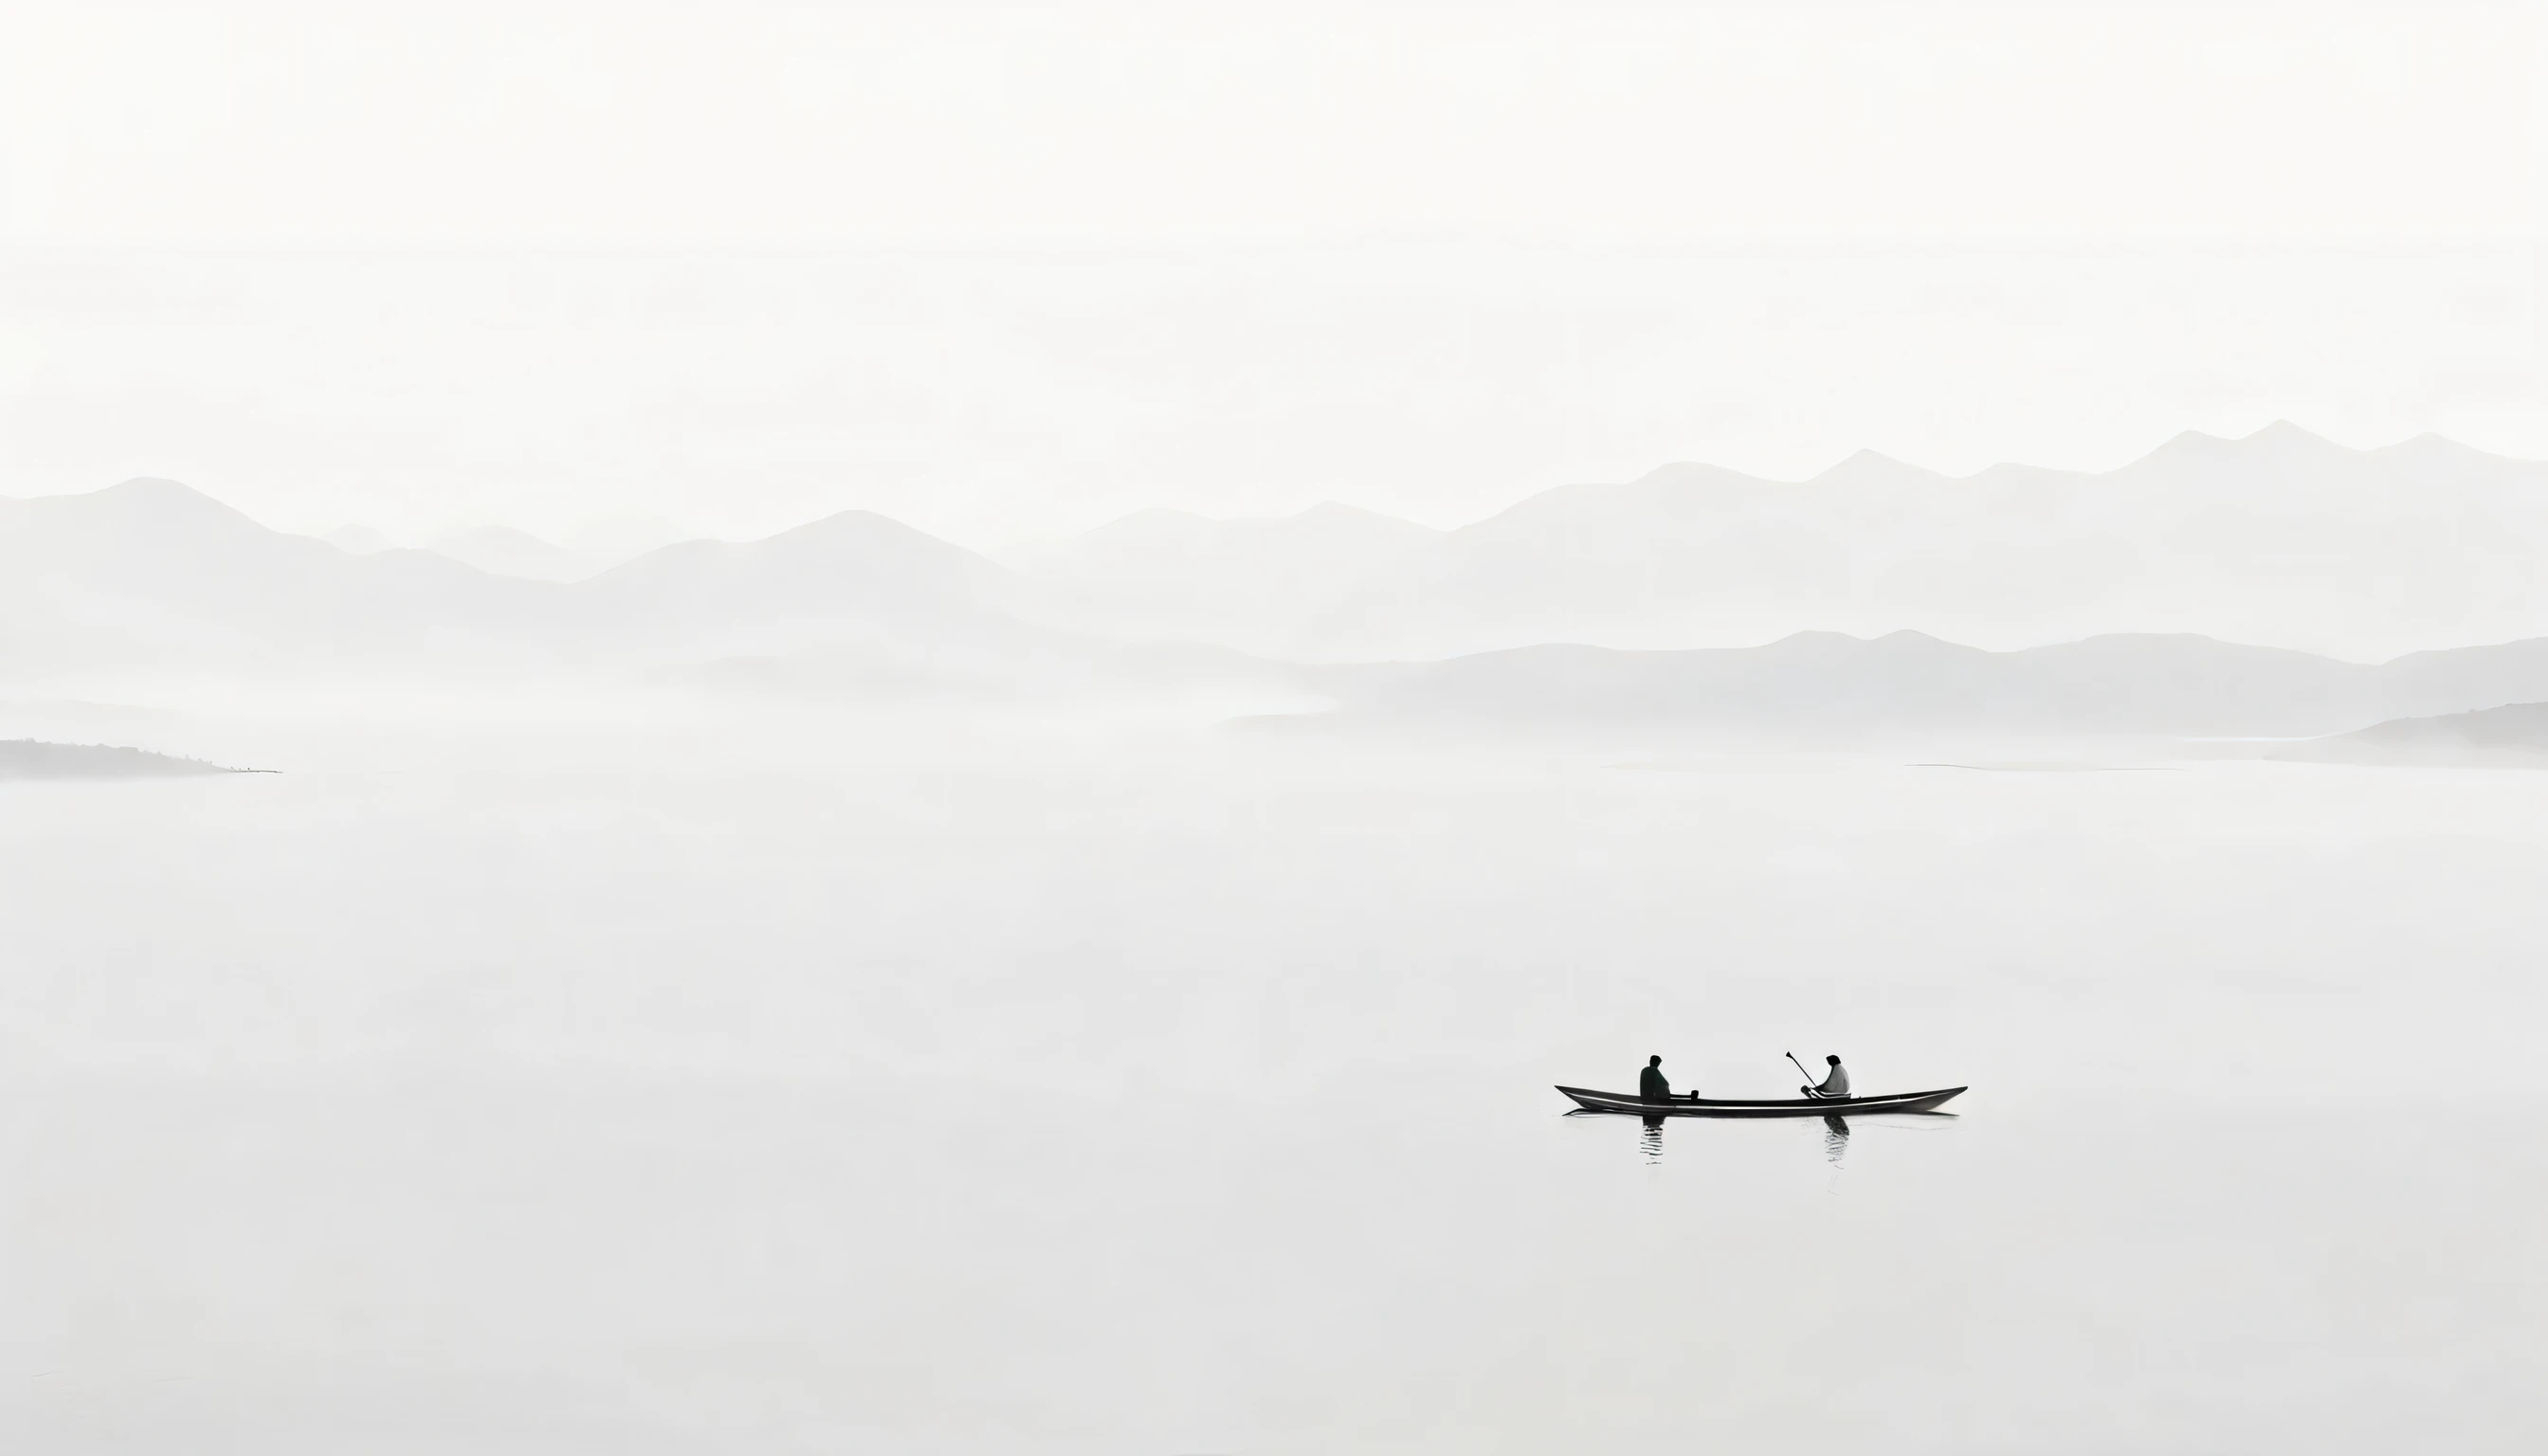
x,y
2278,536
506,552
155,574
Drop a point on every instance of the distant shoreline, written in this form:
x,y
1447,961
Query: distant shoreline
x,y
34,758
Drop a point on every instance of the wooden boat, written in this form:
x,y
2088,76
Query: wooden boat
x,y
1793,1107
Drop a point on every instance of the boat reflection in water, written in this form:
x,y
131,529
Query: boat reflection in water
x,y
1836,1134
1835,1138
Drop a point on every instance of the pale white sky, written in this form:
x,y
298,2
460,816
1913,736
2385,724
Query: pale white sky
x,y
1005,271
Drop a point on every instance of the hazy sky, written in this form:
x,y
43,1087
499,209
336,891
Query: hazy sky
x,y
1005,271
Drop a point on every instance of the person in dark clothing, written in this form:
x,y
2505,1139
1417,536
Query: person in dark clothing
x,y
1651,1086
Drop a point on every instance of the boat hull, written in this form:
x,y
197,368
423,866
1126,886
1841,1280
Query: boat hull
x,y
1794,1107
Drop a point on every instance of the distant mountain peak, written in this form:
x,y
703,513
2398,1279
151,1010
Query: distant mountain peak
x,y
1874,466
861,524
2190,442
1356,517
2440,447
2287,436
153,485
1150,521
838,539
1686,473
1338,508
150,503
511,534
1824,639
623,536
505,551
2282,437
1864,458
158,494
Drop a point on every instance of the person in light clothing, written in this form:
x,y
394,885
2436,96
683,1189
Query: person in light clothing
x,y
1835,1085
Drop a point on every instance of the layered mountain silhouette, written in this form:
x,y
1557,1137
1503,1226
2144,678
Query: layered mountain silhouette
x,y
504,552
2426,541
2280,537
152,574
855,566
623,536
1282,585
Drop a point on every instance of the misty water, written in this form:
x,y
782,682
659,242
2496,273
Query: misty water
x,y
948,1090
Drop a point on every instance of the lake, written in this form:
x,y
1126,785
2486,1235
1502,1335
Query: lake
x,y
1105,1089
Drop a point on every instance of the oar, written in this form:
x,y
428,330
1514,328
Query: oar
x,y
1800,1066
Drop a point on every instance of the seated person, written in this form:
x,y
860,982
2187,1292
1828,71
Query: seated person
x,y
1835,1085
1651,1086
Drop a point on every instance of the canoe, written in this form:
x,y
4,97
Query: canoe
x,y
1793,1107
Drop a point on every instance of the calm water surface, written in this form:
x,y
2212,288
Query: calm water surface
x,y
1002,1097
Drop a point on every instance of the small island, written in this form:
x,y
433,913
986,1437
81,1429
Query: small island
x,y
28,758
